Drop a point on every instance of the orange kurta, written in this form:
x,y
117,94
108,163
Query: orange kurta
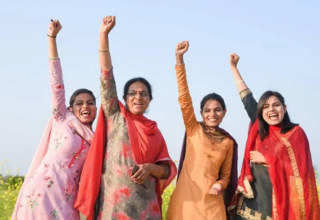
x,y
206,162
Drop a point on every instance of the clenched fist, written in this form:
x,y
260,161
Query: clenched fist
x,y
234,59
107,24
182,47
54,28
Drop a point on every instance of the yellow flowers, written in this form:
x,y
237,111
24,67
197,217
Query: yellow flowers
x,y
166,198
9,190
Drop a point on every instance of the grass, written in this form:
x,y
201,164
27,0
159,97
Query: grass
x,y
10,186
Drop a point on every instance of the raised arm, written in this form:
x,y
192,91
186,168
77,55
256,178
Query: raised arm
x,y
246,96
56,80
109,98
185,100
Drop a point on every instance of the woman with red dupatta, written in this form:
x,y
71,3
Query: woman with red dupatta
x,y
124,138
277,179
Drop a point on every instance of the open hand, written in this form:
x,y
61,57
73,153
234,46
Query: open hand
x,y
142,174
257,157
182,47
54,28
108,24
234,59
215,189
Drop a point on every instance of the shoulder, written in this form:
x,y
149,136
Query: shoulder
x,y
229,142
296,131
195,130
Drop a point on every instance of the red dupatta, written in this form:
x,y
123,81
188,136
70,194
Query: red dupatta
x,y
290,169
148,146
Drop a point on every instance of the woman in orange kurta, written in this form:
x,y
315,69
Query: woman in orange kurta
x,y
208,159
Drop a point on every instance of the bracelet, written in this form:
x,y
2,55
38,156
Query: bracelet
x,y
179,64
54,58
101,51
161,172
239,81
51,36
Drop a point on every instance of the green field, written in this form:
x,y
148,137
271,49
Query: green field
x,y
9,191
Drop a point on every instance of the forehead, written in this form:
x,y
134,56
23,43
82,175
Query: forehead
x,y
212,104
272,99
138,86
83,97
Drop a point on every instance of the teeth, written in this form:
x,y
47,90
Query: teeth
x,y
85,113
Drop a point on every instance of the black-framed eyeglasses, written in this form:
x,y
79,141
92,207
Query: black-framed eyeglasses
x,y
134,94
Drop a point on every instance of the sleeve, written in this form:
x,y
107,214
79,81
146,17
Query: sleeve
x,y
58,100
166,168
108,92
249,103
225,169
185,100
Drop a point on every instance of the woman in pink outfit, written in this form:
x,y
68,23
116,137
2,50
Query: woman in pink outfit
x,y
51,184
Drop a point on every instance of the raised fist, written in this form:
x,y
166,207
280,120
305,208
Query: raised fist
x,y
234,59
54,28
107,24
182,47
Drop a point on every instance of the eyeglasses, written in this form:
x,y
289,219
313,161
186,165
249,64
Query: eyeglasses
x,y
134,94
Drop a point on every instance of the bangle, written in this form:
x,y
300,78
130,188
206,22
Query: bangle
x,y
51,36
239,81
54,58
105,50
161,172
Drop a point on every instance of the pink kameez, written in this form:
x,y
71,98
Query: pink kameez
x,y
51,184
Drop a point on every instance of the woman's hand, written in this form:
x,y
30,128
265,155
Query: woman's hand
x,y
142,174
181,48
54,28
215,189
257,157
108,24
234,59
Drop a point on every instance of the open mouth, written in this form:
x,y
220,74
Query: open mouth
x,y
212,119
138,104
85,114
274,116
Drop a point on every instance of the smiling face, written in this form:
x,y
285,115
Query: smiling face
x,y
137,98
84,108
273,111
212,113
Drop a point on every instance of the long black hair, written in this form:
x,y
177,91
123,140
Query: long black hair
x,y
286,124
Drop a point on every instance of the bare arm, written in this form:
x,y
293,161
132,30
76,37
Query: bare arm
x,y
54,29
104,54
108,90
241,85
246,96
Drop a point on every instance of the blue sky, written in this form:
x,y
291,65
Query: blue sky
x,y
278,43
